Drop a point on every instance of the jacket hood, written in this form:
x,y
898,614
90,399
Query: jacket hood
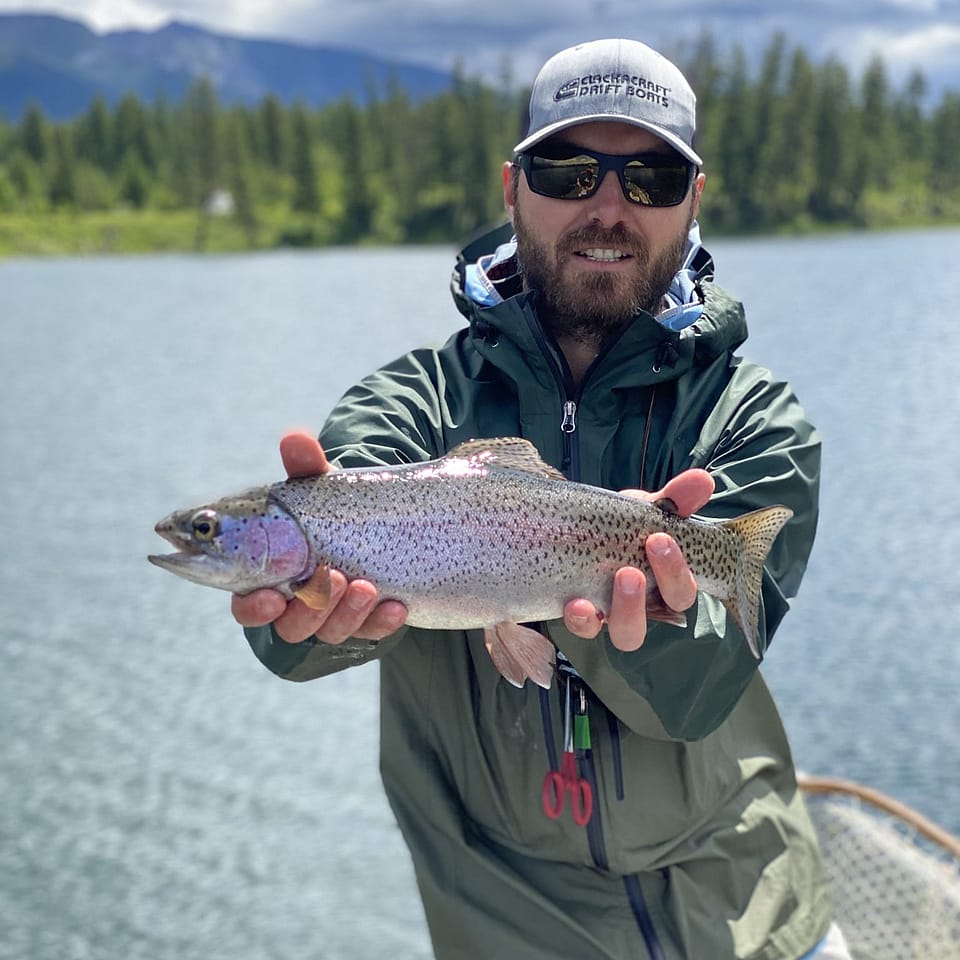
x,y
699,319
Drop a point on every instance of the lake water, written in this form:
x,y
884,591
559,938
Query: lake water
x,y
163,797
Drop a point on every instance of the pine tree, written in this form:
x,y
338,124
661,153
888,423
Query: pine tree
x,y
62,183
705,74
240,177
769,107
202,153
945,155
29,182
275,134
35,134
203,139
734,209
359,202
306,197
837,197
134,183
792,148
875,143
93,138
133,134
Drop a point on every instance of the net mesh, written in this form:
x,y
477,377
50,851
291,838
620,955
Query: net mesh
x,y
895,891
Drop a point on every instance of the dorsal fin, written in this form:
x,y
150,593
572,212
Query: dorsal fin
x,y
514,453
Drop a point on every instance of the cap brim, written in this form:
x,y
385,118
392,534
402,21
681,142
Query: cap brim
x,y
548,131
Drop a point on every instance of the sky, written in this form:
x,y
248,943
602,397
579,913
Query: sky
x,y
483,34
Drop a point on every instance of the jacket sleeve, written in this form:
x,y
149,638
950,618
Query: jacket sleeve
x,y
683,682
392,416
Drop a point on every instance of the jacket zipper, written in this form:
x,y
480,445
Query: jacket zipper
x,y
571,449
569,399
570,396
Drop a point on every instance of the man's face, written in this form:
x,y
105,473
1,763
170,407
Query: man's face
x,y
597,261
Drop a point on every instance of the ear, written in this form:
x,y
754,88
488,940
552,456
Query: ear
x,y
698,185
509,174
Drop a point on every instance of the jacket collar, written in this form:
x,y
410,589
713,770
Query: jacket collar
x,y
700,323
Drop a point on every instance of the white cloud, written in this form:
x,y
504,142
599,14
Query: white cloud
x,y
99,15
932,48
935,43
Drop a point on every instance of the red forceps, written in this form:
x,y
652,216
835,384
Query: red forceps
x,y
557,783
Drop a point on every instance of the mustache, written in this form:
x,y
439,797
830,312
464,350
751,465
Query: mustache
x,y
617,237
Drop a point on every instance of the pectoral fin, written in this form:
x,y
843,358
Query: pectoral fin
x,y
315,592
521,653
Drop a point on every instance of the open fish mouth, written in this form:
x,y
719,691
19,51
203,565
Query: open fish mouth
x,y
176,562
187,553
193,565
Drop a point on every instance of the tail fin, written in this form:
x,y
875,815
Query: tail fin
x,y
756,531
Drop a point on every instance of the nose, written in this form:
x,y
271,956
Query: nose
x,y
608,205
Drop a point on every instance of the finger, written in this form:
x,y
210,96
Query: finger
x,y
386,618
350,613
300,621
673,576
258,608
302,455
627,621
582,619
689,490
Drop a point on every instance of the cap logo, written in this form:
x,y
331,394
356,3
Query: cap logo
x,y
614,85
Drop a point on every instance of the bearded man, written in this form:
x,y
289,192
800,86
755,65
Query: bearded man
x,y
594,330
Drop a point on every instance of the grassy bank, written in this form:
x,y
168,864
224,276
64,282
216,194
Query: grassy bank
x,y
65,233
154,231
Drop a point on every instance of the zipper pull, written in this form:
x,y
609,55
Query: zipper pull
x,y
581,722
569,423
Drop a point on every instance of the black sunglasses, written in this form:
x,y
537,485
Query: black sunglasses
x,y
565,172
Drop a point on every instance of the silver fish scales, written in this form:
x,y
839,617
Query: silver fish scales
x,y
488,536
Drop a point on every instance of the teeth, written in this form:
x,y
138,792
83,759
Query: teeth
x,y
603,254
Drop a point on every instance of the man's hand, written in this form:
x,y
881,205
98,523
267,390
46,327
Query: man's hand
x,y
353,610
627,617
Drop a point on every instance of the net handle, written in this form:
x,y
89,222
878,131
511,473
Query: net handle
x,y
927,828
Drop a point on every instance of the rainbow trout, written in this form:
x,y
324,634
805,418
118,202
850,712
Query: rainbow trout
x,y
488,536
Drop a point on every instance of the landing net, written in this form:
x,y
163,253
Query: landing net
x,y
894,875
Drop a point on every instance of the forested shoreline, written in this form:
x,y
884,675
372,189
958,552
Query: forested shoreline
x,y
791,146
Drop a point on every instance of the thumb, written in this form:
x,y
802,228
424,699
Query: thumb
x,y
302,455
689,490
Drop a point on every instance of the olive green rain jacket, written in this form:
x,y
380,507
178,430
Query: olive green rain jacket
x,y
699,846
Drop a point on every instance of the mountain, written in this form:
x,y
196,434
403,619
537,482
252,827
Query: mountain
x,y
62,65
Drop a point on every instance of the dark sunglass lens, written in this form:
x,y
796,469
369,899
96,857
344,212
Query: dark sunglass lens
x,y
652,180
656,186
568,178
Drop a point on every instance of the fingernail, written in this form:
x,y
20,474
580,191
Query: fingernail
x,y
357,601
629,582
657,547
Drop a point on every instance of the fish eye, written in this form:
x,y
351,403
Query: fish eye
x,y
205,525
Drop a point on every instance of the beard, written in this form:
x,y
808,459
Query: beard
x,y
589,306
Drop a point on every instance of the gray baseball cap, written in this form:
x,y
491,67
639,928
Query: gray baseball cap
x,y
621,80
